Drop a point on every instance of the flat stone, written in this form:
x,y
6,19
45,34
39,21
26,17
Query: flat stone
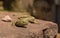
x,y
7,18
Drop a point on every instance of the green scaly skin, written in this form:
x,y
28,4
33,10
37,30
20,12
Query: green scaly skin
x,y
23,21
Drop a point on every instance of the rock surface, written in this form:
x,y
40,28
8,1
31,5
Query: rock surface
x,y
32,31
43,28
